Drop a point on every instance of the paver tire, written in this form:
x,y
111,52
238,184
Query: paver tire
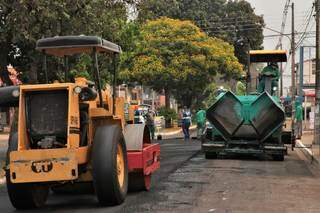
x,y
110,166
279,157
211,155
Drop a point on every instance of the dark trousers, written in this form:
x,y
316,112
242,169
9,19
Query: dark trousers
x,y
152,130
185,129
299,129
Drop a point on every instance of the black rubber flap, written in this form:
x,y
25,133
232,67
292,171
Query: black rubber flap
x,y
225,114
6,96
267,116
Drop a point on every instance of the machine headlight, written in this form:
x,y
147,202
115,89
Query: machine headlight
x,y
77,89
16,93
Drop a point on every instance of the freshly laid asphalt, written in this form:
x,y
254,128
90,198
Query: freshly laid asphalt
x,y
187,182
239,184
174,153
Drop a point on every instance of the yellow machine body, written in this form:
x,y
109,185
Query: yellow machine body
x,y
47,165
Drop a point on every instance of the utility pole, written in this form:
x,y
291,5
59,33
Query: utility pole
x,y
248,86
301,66
317,92
281,74
293,81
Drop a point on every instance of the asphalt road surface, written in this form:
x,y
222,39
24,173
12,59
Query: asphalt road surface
x,y
237,185
187,182
174,153
3,145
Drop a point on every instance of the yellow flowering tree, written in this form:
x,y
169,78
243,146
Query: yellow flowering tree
x,y
176,57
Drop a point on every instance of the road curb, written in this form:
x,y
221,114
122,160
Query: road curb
x,y
307,152
174,132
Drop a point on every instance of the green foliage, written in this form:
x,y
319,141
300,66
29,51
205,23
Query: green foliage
x,y
210,95
231,21
24,22
176,56
248,27
168,113
82,67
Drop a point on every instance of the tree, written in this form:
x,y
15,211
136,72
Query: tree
x,y
178,58
248,28
232,21
22,23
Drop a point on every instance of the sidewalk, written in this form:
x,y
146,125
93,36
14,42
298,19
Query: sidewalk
x,y
4,140
172,131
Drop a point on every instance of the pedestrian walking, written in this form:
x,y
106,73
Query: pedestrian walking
x,y
299,118
201,122
150,123
186,122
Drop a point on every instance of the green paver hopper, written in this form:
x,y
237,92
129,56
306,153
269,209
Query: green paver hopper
x,y
249,124
246,117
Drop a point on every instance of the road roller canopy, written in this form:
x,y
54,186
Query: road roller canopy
x,y
69,45
264,56
64,46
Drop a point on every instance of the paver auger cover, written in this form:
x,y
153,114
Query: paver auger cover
x,y
246,117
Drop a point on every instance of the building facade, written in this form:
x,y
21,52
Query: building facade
x,y
308,75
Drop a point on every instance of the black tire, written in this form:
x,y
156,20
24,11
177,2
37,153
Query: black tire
x,y
279,157
104,164
211,155
24,195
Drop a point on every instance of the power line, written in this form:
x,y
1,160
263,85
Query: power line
x,y
306,18
287,34
232,30
236,21
238,25
306,28
283,24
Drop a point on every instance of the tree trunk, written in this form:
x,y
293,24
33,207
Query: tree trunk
x,y
33,73
167,98
168,122
4,75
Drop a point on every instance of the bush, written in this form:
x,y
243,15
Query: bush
x,y
168,114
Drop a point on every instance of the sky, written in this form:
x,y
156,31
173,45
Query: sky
x,y
272,11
